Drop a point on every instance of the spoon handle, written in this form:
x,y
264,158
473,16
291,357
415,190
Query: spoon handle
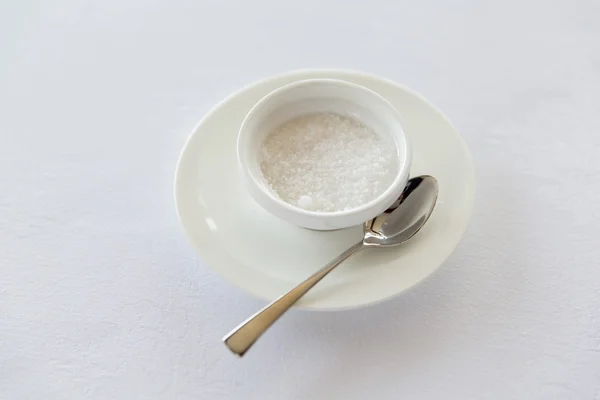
x,y
243,337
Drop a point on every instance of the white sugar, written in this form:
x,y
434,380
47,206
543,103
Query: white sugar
x,y
327,162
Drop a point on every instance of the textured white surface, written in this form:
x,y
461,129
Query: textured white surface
x,y
102,297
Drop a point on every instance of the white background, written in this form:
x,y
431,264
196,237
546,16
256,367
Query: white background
x,y
102,297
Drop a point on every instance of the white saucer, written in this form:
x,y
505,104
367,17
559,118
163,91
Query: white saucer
x,y
266,256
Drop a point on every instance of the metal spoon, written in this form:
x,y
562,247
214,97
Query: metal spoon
x,y
395,226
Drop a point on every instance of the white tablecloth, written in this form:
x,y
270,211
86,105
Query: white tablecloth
x,y
102,297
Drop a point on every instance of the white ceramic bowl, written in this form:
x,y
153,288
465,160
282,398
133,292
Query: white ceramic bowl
x,y
313,96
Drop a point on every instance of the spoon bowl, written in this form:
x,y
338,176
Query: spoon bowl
x,y
393,228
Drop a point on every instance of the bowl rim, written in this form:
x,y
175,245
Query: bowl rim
x,y
272,199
